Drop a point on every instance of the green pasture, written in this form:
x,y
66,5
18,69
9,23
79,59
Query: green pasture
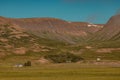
x,y
68,71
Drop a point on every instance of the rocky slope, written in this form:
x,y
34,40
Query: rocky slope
x,y
55,29
111,30
89,28
42,36
14,40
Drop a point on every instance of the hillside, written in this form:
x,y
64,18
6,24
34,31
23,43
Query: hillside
x,y
39,38
111,30
89,28
15,41
55,29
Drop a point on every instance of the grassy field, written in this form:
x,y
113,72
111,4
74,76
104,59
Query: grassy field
x,y
69,71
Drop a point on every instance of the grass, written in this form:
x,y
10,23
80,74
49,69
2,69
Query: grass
x,y
61,72
71,71
105,44
92,55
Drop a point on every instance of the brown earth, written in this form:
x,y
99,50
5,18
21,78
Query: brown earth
x,y
53,28
111,30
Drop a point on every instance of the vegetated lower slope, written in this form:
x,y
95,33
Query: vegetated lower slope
x,y
109,35
14,40
43,36
105,43
20,45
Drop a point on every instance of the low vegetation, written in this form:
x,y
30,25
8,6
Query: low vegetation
x,y
63,58
61,72
28,63
16,49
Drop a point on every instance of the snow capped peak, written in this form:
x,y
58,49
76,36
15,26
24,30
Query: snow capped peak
x,y
69,22
94,25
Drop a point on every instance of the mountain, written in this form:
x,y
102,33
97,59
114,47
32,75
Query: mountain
x,y
111,30
35,38
51,28
89,28
14,40
55,29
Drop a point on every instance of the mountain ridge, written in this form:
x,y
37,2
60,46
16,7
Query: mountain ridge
x,y
60,29
39,37
110,31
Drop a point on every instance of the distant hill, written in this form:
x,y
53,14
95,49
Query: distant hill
x,y
39,37
89,28
14,40
55,29
111,30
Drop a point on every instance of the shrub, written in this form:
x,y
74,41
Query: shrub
x,y
6,25
28,63
63,58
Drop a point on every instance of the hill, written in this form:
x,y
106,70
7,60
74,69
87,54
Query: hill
x,y
55,29
111,30
39,38
15,41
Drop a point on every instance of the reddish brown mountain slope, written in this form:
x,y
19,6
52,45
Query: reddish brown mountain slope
x,y
13,40
53,28
88,27
50,25
111,30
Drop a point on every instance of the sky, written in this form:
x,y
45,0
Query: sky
x,y
94,11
